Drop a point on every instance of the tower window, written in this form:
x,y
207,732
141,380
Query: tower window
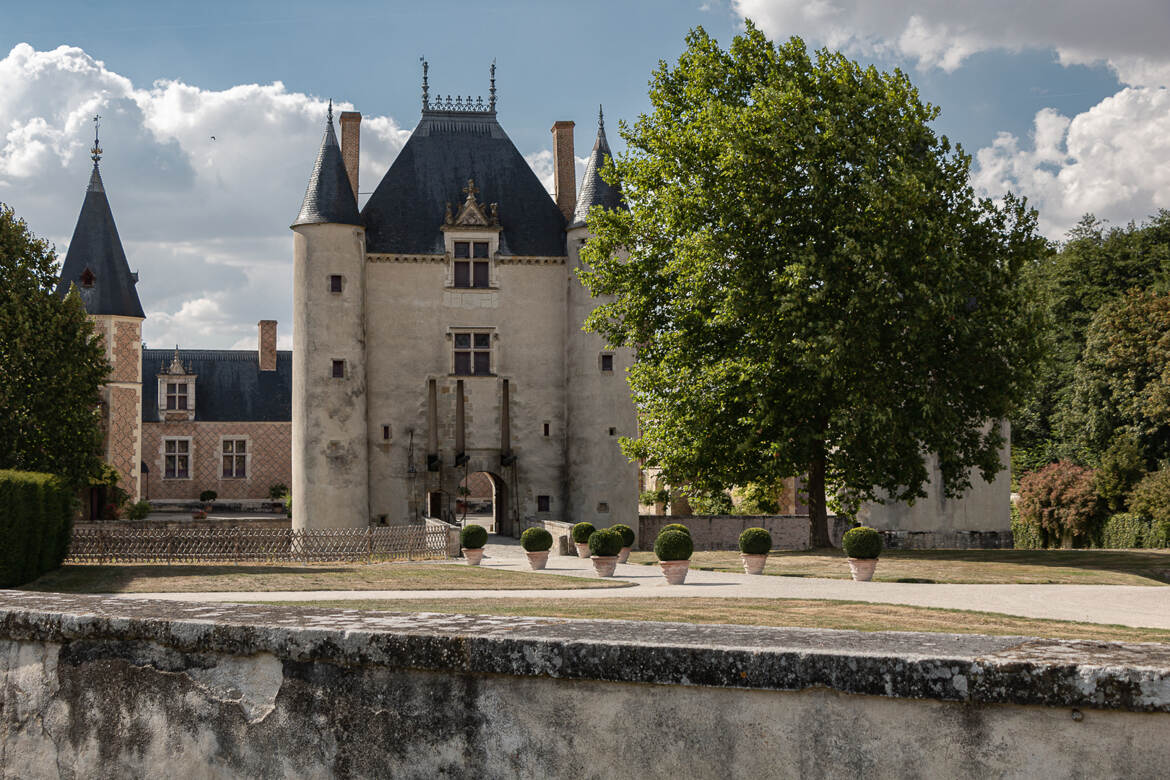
x,y
386,432
546,426
606,362
613,431
602,506
87,278
176,396
335,283
543,503
338,369
473,354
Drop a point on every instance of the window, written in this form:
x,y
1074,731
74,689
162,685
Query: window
x,y
602,506
335,283
176,458
339,369
546,429
386,432
87,278
613,431
543,504
469,272
235,458
176,396
462,249
473,354
606,362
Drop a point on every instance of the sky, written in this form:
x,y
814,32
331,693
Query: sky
x,y
212,112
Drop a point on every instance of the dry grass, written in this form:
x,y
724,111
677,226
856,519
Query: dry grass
x,y
1027,567
800,613
83,578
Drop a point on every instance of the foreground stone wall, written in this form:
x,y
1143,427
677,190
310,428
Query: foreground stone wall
x,y
93,686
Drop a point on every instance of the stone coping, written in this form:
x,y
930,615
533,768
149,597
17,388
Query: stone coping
x,y
968,668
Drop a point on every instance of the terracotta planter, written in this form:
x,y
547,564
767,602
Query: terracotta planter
x,y
604,565
862,568
537,560
624,555
675,571
473,556
753,564
582,549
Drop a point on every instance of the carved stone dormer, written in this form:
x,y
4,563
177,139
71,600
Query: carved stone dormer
x,y
471,213
176,391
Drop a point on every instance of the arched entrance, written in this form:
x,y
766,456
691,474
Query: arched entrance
x,y
482,498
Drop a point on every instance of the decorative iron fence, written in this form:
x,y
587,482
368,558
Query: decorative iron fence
x,y
205,545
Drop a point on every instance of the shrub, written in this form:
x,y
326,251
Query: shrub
x,y
651,497
207,496
1158,534
472,537
581,532
675,527
1060,500
1024,536
277,491
1124,531
1151,497
1122,467
627,533
605,542
288,504
755,541
673,545
716,503
536,540
862,542
36,523
138,511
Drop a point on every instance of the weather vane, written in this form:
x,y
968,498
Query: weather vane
x,y
96,151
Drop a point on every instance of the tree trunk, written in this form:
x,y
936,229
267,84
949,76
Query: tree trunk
x,y
818,526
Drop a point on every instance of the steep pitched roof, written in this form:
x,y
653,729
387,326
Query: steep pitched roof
x,y
229,385
96,262
404,214
329,197
595,191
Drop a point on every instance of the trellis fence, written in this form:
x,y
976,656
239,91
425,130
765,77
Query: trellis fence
x,y
205,545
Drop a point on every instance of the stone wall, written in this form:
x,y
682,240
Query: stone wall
x,y
95,686
721,532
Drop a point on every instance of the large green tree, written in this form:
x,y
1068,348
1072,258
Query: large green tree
x,y
808,279
51,363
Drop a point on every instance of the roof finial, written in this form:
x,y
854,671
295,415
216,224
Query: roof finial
x,y
492,91
600,117
329,116
426,88
96,151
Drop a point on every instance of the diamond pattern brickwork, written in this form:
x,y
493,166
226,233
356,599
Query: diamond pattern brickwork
x,y
269,446
122,436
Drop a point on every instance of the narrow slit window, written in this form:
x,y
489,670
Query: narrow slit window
x,y
543,503
338,369
546,429
386,432
613,431
607,362
335,283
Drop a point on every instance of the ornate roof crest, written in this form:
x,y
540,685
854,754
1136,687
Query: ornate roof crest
x,y
176,366
471,213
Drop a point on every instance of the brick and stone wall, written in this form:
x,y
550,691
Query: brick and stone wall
x,y
122,435
269,459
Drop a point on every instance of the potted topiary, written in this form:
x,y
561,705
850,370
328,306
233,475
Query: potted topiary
x,y
472,539
605,546
754,546
674,549
627,541
581,533
536,543
862,545
206,497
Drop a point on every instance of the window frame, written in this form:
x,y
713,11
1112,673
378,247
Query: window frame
x,y
188,453
181,393
473,350
237,457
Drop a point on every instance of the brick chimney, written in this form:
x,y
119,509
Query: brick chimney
x,y
351,129
267,345
564,168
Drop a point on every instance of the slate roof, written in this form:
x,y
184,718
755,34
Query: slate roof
x,y
229,385
404,214
594,190
95,245
329,198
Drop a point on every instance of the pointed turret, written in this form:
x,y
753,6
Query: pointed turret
x,y
96,262
329,197
594,190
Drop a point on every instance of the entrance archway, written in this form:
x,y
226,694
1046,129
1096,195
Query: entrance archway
x,y
482,498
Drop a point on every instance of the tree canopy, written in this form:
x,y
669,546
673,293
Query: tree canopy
x,y
808,279
51,363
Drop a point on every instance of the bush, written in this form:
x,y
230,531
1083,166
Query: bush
x,y
1024,536
536,540
1061,501
1124,531
1151,497
1122,467
862,542
36,524
1158,535
755,541
717,503
582,531
277,491
207,496
627,533
472,537
673,545
605,542
138,511
651,497
675,527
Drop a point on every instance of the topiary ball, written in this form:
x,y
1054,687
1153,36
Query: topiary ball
x,y
582,531
536,540
862,542
207,496
626,532
605,542
672,545
472,537
676,527
755,541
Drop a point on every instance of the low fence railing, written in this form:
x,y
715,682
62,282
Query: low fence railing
x,y
205,545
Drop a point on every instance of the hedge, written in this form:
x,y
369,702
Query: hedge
x,y
1124,531
36,524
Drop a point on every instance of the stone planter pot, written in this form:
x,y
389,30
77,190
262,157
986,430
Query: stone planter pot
x,y
604,565
624,555
473,556
537,560
753,564
862,568
582,550
675,572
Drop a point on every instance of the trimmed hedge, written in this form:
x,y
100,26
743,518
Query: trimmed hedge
x,y
673,545
755,541
536,540
36,524
605,542
1025,536
473,537
1124,531
627,533
582,531
862,542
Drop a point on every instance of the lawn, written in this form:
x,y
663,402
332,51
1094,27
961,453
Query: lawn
x,y
1028,567
159,578
798,613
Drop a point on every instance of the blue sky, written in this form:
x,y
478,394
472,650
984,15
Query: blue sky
x,y
1064,101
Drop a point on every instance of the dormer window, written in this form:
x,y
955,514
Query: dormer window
x,y
471,264
87,278
176,396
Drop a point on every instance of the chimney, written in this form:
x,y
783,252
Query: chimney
x,y
564,168
267,345
351,130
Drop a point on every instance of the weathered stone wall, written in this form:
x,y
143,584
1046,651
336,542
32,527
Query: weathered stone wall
x,y
269,454
92,686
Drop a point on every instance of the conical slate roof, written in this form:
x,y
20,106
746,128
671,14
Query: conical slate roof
x,y
96,262
594,190
329,198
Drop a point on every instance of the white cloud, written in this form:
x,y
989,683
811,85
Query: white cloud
x,y
542,164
